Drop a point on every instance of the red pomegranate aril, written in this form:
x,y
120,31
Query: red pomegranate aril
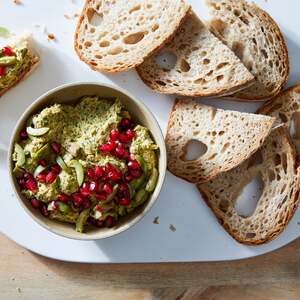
x,y
63,198
41,177
130,134
23,133
114,135
125,123
101,196
2,71
7,51
56,169
109,168
123,138
85,189
135,173
22,183
107,188
98,171
128,177
120,152
77,199
124,201
91,173
43,162
56,147
94,187
27,176
98,208
133,165
44,210
131,156
109,221
31,185
113,176
99,224
123,187
35,203
51,177
54,205
86,204
105,148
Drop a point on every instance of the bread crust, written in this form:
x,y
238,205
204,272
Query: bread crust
x,y
125,67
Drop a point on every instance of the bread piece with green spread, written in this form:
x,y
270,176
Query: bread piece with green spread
x,y
17,60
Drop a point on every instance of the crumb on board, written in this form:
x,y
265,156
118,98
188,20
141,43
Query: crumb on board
x,y
298,222
18,2
19,290
156,220
51,37
172,227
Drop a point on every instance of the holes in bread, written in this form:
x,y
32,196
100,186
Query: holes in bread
x,y
244,20
220,77
295,126
93,17
115,51
221,65
194,149
135,8
255,160
92,30
154,27
219,26
184,66
166,60
264,53
159,82
88,44
149,5
206,61
237,12
104,44
134,38
115,37
249,196
225,147
238,49
250,235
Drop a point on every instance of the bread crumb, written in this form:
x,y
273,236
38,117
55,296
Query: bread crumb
x,y
172,227
51,37
19,290
18,2
298,222
156,220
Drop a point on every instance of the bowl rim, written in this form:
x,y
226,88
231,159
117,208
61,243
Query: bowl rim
x,y
162,159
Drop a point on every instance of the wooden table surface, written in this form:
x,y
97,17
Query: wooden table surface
x,y
24,275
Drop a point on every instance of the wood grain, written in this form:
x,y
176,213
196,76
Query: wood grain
x,y
24,275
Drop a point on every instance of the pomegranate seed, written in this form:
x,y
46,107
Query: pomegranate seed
x,y
120,152
85,189
125,123
101,196
113,176
56,147
63,198
105,148
98,208
23,133
35,203
94,187
51,177
135,173
109,221
54,205
86,204
7,51
109,168
107,188
128,177
131,156
27,176
43,162
98,171
91,173
124,201
133,165
77,199
56,169
31,185
114,135
99,224
2,71
123,187
123,138
130,134
22,183
44,210
41,177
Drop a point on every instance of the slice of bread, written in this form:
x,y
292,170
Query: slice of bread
x,y
256,39
22,40
280,195
230,137
117,35
204,65
286,109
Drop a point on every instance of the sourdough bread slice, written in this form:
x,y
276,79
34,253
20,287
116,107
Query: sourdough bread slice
x,y
280,195
256,39
286,109
230,137
116,35
204,65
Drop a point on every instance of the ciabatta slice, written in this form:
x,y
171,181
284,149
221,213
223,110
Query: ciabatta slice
x,y
230,137
256,39
117,35
280,195
204,65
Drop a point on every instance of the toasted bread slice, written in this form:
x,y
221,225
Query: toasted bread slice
x,y
117,35
23,40
256,39
230,137
286,109
204,65
280,195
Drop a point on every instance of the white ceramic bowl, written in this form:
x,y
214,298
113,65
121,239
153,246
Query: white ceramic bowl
x,y
70,93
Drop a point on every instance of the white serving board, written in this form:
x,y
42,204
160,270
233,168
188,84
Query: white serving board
x,y
198,236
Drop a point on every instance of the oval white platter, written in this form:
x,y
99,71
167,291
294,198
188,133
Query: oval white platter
x,y
198,236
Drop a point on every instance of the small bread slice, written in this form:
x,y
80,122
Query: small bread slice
x,y
256,39
204,66
280,195
22,40
117,35
230,137
286,109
